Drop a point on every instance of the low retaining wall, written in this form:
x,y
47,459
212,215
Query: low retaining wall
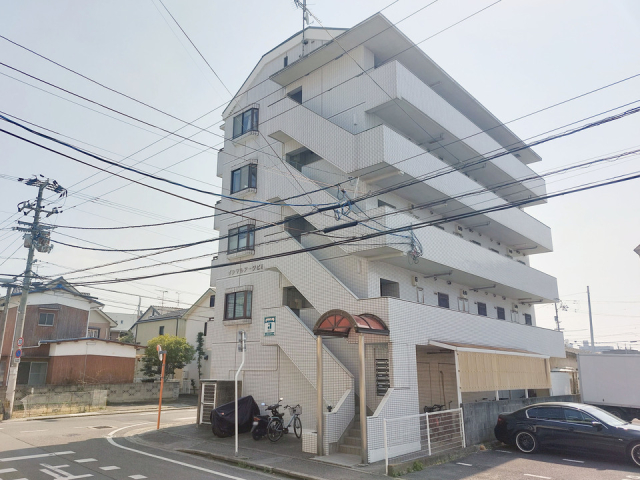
x,y
116,393
480,417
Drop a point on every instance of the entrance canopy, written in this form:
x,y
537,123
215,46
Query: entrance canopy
x,y
484,368
338,323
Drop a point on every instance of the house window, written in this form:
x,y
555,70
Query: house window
x,y
286,60
527,319
94,332
161,330
245,177
38,373
482,309
463,304
241,238
443,300
389,288
45,319
237,305
501,313
244,122
205,329
212,301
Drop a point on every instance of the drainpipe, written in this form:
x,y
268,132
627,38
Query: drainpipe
x,y
363,402
319,387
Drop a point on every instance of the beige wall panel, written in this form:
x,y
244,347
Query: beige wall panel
x,y
481,372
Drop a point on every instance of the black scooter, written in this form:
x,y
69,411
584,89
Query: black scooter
x,y
260,422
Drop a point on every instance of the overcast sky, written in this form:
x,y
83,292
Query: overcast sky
x,y
515,57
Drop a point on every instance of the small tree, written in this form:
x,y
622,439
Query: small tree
x,y
200,352
179,354
127,338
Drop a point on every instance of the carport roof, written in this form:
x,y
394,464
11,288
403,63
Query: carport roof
x,y
468,347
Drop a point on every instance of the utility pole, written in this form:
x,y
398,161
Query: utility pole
x,y
590,319
36,237
3,322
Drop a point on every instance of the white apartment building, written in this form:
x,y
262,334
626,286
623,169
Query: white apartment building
x,y
431,315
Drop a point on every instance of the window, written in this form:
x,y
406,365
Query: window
x,y
576,416
546,413
205,328
161,331
443,300
463,304
241,238
286,60
38,373
45,319
296,95
501,315
482,309
527,319
212,301
94,332
245,177
244,122
389,288
237,305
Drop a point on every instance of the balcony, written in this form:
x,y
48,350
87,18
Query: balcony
x,y
471,265
428,120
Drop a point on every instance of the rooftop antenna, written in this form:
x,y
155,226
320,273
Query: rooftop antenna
x,y
302,4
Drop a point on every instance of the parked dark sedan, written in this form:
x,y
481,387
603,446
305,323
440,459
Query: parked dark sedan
x,y
573,426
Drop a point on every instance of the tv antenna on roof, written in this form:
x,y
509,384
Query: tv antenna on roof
x,y
302,4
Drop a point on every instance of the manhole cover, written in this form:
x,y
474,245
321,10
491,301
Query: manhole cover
x,y
102,426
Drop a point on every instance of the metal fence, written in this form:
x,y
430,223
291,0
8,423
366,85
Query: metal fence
x,y
415,436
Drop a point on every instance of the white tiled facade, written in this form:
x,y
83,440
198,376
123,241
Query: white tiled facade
x,y
366,129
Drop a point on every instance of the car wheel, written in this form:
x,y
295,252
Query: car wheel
x,y
526,442
634,453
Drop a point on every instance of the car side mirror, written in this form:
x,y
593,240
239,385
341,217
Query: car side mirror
x,y
597,425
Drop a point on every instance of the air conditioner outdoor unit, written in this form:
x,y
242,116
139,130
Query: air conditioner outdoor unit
x,y
415,281
463,293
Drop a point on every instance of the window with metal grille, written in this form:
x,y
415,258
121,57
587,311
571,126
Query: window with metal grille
x,y
443,300
389,288
244,177
161,330
237,305
45,319
527,319
482,309
501,315
212,301
205,328
240,239
244,122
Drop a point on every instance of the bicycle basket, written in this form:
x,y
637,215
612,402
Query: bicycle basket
x,y
297,410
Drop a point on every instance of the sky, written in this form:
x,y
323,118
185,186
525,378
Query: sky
x,y
515,57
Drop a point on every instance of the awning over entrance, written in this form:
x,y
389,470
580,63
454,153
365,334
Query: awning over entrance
x,y
484,368
338,323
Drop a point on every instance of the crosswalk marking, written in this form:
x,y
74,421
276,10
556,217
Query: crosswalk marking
x,y
110,467
137,477
85,460
7,470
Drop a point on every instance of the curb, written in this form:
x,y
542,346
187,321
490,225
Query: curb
x,y
95,414
239,461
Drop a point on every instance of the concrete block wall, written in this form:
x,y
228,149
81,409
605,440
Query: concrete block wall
x,y
480,417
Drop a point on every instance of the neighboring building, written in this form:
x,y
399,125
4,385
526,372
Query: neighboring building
x,y
445,314
124,322
66,339
197,319
159,321
564,373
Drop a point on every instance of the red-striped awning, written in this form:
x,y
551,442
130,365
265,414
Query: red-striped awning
x,y
338,323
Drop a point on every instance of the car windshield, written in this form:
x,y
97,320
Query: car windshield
x,y
606,417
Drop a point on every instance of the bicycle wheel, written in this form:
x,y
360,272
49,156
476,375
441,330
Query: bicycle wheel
x,y
297,427
274,429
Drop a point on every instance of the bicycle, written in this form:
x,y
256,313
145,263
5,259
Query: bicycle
x,y
276,426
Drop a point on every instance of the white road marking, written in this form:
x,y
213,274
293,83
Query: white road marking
x,y
504,451
110,467
184,464
42,455
58,473
32,431
186,418
152,413
85,460
22,479
575,461
465,464
137,477
536,476
8,470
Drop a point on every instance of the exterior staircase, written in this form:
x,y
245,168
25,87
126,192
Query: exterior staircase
x,y
350,442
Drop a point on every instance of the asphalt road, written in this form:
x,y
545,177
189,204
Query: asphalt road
x,y
96,447
509,464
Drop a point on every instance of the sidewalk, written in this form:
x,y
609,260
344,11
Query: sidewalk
x,y
284,457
